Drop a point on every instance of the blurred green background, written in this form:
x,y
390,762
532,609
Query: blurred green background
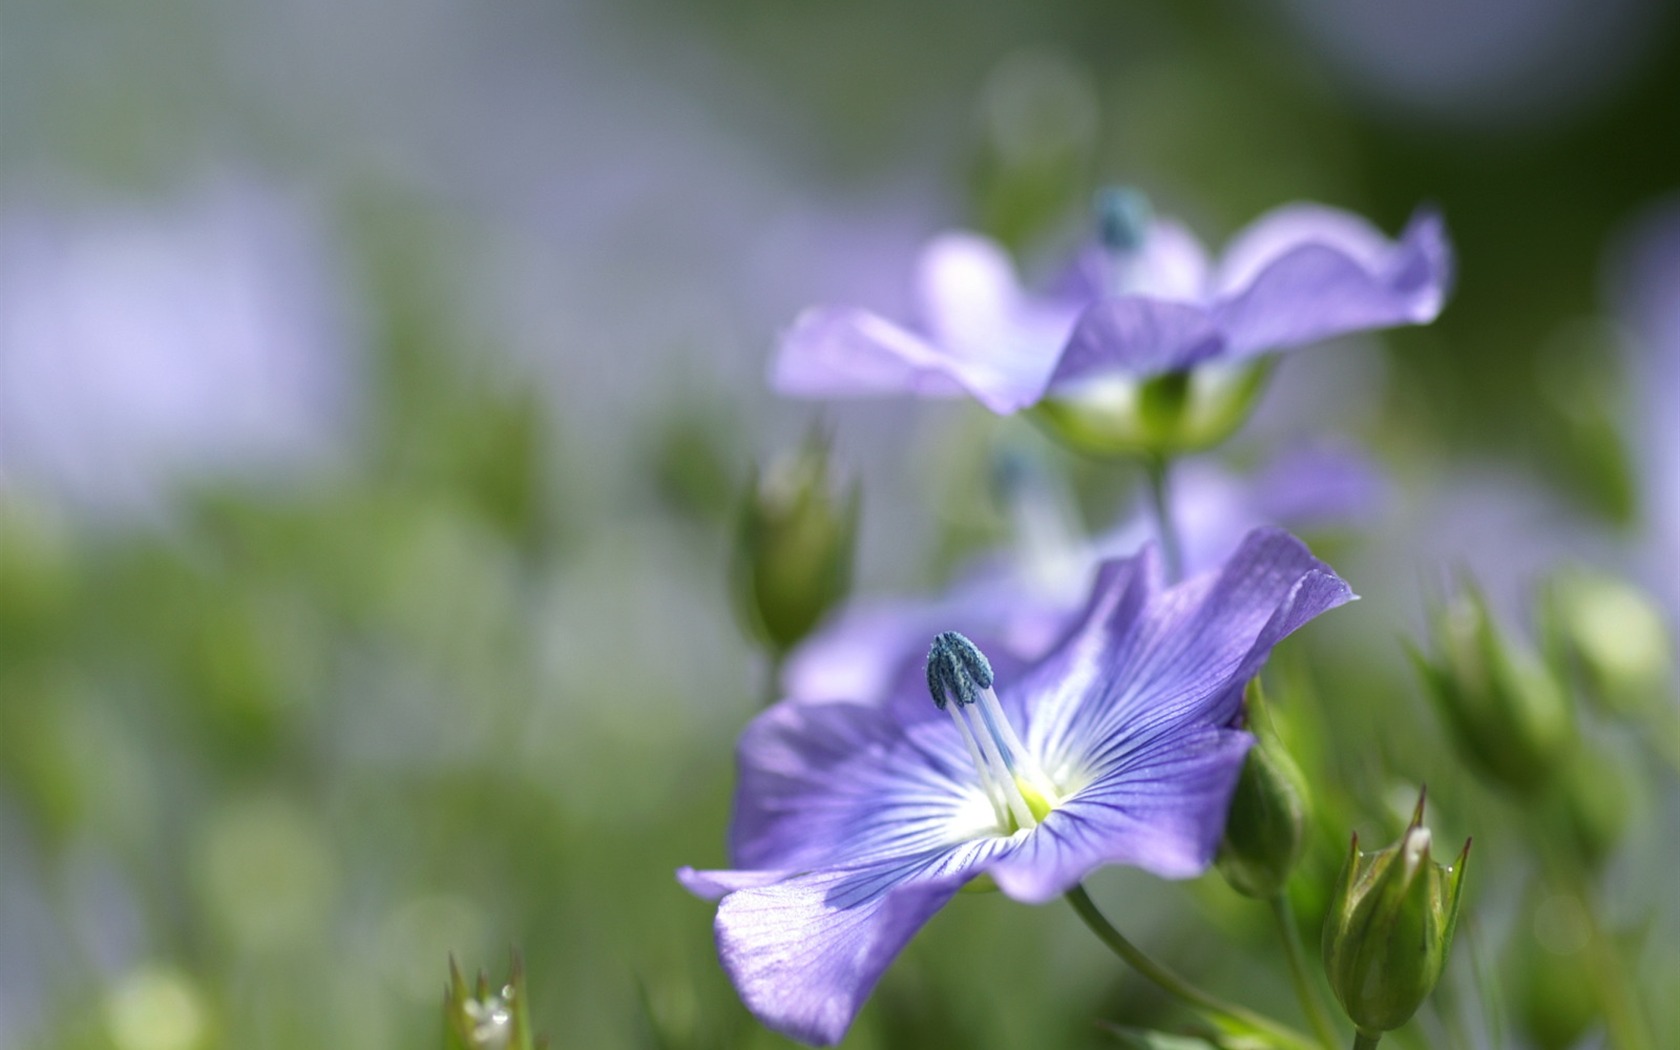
x,y
377,386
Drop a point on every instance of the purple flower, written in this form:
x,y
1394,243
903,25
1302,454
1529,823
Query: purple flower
x,y
1141,302
140,348
855,822
1017,604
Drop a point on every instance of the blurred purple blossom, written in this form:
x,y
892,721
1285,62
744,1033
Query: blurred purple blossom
x,y
1644,275
854,822
1018,604
1134,306
141,347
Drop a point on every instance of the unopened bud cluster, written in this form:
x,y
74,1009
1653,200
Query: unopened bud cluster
x,y
1390,928
484,1018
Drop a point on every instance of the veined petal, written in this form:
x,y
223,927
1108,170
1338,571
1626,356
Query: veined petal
x,y
1142,661
1170,265
840,784
805,952
1136,336
1162,808
1306,273
849,352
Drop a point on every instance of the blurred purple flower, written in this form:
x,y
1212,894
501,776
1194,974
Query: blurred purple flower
x,y
1143,301
140,348
1645,278
853,824
1017,606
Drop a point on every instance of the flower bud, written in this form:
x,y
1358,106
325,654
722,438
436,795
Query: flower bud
x,y
793,558
1155,416
483,1019
1265,829
1390,927
1593,803
1508,714
1616,638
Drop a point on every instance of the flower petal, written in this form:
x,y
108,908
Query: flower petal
x,y
1171,265
1136,336
1140,661
806,951
1163,810
1306,273
848,352
836,784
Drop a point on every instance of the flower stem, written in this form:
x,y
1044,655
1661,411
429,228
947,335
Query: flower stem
x,y
1361,1041
1177,986
1165,530
1311,1003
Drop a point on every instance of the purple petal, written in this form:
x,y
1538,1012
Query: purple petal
x,y
1136,336
866,652
1162,809
805,952
1135,666
1305,273
840,784
846,352
1171,265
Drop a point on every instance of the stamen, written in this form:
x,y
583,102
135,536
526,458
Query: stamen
x,y
1123,218
960,680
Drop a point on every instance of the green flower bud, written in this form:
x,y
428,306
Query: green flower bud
x,y
1265,830
1510,717
486,1019
1159,416
1592,806
1617,639
793,558
1390,928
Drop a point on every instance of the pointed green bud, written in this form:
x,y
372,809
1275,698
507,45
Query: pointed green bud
x,y
1265,830
484,1018
1616,638
1508,714
793,557
1389,928
1162,415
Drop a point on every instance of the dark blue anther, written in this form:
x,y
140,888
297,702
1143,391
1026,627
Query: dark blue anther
x,y
957,670
1123,217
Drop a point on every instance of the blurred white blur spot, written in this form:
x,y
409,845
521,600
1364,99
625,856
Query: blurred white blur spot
x,y
1484,62
1037,102
268,875
206,337
155,1008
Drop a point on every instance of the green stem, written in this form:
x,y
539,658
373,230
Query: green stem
x,y
1361,1041
1173,984
1159,503
773,681
1305,990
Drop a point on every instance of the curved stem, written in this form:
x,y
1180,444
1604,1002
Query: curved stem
x,y
1172,983
1165,530
1305,990
1361,1041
